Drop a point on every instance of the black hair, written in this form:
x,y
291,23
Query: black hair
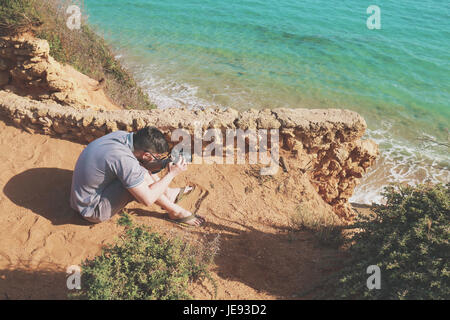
x,y
150,139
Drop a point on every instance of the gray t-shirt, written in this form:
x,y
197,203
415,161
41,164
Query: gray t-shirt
x,y
102,162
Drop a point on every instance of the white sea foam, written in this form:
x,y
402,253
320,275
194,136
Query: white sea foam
x,y
164,92
167,93
400,162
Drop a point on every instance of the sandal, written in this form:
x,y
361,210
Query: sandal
x,y
183,221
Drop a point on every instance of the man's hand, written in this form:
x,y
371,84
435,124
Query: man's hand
x,y
149,191
177,168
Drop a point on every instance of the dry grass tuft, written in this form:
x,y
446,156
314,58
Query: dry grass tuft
x,y
326,228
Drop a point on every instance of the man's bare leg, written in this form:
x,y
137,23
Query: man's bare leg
x,y
171,193
174,210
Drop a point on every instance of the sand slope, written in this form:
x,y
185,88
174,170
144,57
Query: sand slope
x,y
40,236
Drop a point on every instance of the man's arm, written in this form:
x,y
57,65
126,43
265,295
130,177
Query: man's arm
x,y
150,190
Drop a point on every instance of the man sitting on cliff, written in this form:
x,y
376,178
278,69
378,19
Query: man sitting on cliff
x,y
108,175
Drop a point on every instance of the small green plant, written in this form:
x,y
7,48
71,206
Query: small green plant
x,y
56,48
145,265
408,240
125,220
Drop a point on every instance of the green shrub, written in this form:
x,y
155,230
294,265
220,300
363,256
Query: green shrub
x,y
409,240
17,16
145,265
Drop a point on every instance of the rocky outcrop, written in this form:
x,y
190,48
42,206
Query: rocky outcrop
x,y
327,143
27,69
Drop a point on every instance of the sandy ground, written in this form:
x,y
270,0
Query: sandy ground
x,y
40,236
88,88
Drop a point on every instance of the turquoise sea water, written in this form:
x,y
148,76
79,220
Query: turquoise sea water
x,y
292,53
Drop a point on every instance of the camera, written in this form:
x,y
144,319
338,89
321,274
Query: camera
x,y
156,166
175,156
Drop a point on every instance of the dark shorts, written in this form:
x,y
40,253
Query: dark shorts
x,y
114,198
